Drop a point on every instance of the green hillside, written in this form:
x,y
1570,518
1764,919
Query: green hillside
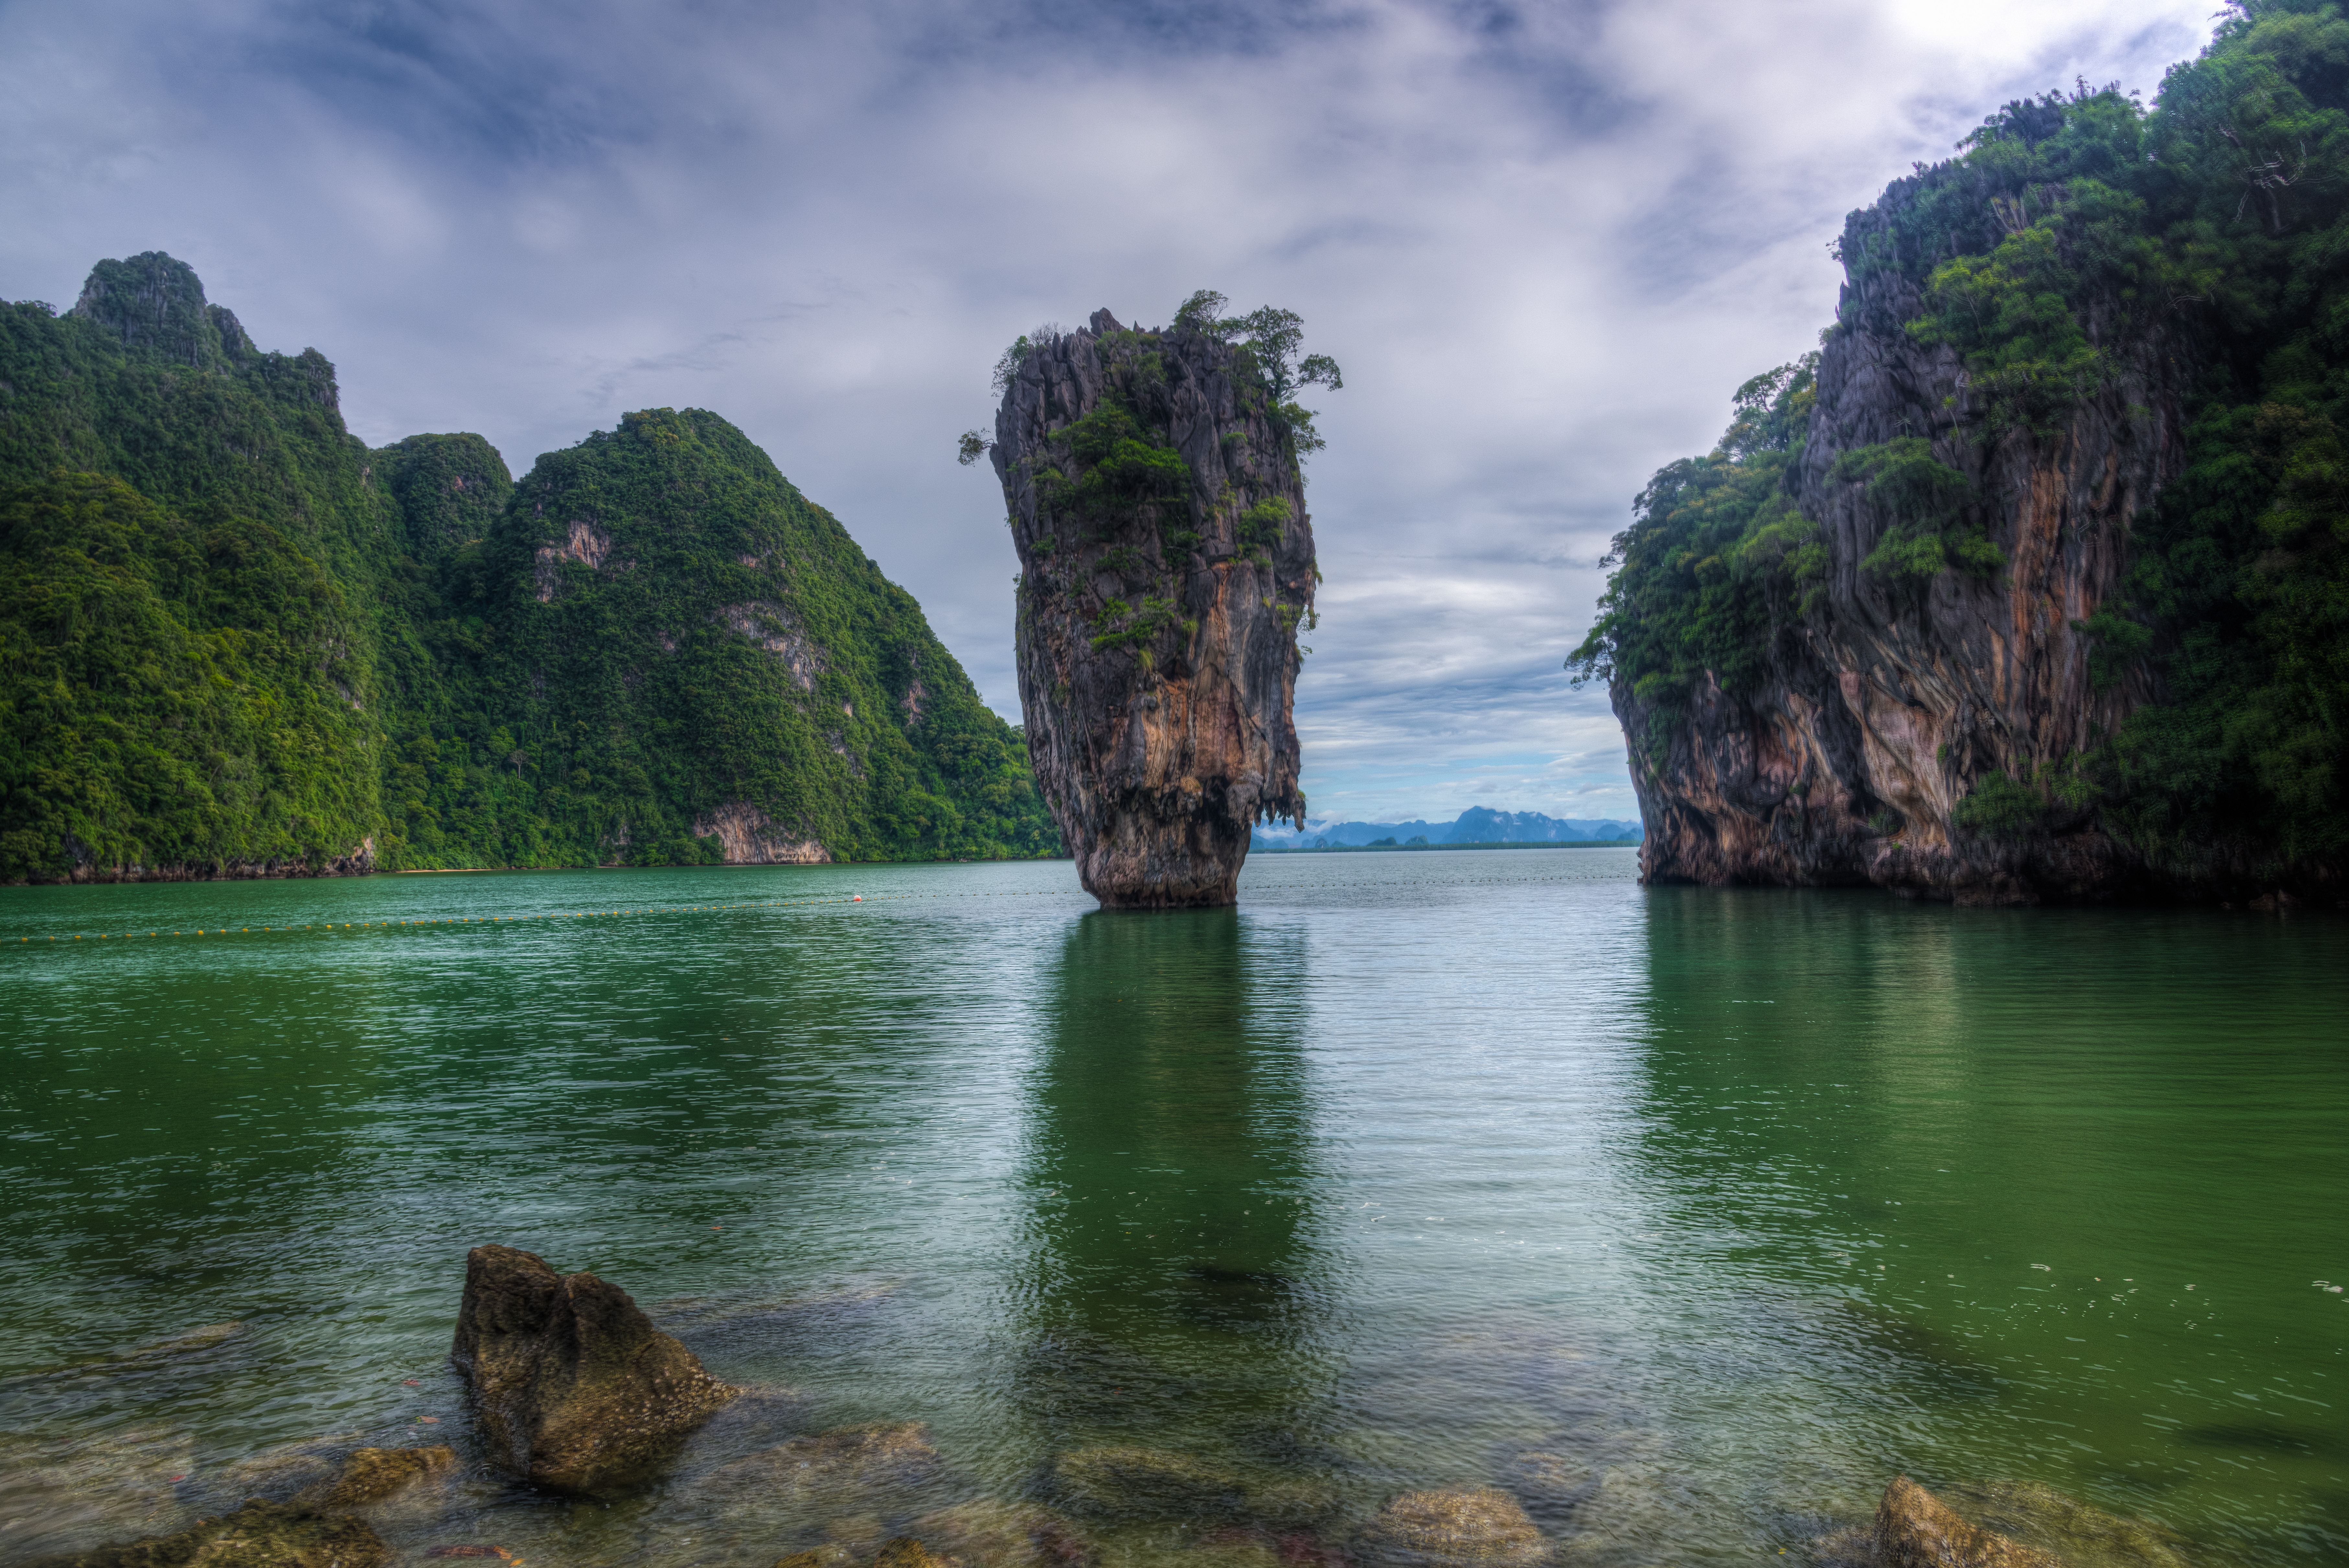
x,y
234,640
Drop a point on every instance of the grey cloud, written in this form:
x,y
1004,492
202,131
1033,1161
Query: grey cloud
x,y
1545,241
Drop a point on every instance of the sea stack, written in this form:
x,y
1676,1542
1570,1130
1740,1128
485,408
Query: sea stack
x,y
1167,562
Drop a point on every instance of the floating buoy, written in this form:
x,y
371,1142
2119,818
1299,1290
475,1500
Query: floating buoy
x,y
858,899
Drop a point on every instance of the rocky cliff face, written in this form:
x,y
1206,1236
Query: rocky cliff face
x,y
1166,559
1886,705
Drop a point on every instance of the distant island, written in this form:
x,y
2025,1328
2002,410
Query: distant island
x,y
1477,825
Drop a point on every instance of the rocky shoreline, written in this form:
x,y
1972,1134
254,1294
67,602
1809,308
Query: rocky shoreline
x,y
574,1394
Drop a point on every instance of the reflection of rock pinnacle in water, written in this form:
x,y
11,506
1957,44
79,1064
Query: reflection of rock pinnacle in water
x,y
1167,1115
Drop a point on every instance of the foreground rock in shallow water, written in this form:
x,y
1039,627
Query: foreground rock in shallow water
x,y
1914,1528
258,1535
573,1387
1166,562
1470,1527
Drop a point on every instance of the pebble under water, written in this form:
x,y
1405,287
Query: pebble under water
x,y
1686,1218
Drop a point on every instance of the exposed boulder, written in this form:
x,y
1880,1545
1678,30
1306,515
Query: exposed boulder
x,y
258,1535
1458,1527
1166,562
571,1385
1914,1528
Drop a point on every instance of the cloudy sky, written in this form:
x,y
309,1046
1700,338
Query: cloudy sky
x,y
1545,241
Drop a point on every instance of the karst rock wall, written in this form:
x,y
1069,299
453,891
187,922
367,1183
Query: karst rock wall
x,y
1888,704
1167,562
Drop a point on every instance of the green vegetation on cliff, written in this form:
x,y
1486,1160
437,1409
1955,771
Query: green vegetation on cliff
x,y
234,638
1718,555
2068,225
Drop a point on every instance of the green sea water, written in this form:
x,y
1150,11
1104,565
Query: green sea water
x,y
1689,1217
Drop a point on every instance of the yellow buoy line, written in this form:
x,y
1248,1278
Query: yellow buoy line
x,y
853,899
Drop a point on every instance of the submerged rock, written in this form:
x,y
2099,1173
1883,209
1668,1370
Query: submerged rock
x,y
831,1554
194,1342
846,1463
277,1475
1130,1482
861,1534
1914,1528
2081,1535
571,1385
1639,1512
1135,1483
1553,1485
371,1475
905,1552
987,1534
898,1552
1480,1526
1225,1549
258,1535
58,1492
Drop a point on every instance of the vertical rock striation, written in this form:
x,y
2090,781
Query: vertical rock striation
x,y
1166,559
1886,704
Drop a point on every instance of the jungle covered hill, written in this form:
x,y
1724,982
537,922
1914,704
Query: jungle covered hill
x,y
235,641
2034,579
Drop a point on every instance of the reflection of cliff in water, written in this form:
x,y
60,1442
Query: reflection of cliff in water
x,y
1170,1281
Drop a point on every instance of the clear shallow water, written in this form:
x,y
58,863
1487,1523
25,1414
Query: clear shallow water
x,y
1733,1204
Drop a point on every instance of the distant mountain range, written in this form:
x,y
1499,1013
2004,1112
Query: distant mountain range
x,y
1477,825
